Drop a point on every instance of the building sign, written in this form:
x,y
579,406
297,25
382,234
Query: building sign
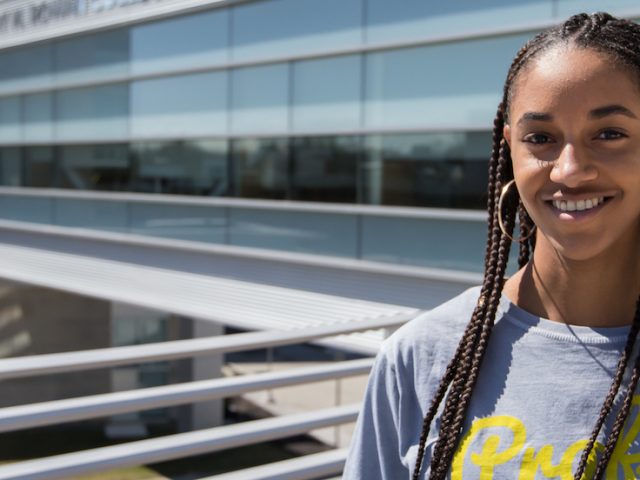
x,y
19,16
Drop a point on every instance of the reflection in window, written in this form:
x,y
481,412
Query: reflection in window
x,y
185,42
39,167
10,120
92,113
181,105
38,116
327,93
26,68
455,83
293,27
10,166
413,19
260,99
92,56
260,168
183,167
95,167
431,170
324,169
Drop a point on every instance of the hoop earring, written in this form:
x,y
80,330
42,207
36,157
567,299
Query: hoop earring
x,y
503,193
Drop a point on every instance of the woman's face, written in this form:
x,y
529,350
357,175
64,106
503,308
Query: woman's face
x,y
574,133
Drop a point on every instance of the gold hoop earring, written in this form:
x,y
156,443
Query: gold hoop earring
x,y
503,193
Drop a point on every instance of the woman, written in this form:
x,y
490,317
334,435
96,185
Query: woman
x,y
540,382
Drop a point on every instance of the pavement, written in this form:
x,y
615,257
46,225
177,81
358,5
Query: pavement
x,y
305,397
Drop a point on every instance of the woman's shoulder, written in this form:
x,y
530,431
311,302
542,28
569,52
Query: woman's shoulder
x,y
439,329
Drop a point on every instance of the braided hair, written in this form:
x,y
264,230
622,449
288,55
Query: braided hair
x,y
616,38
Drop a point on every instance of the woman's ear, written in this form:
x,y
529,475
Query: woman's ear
x,y
506,133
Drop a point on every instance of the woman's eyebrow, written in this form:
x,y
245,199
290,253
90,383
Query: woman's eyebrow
x,y
611,110
535,116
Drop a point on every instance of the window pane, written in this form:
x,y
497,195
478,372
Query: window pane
x,y
38,117
566,8
26,68
434,170
290,27
327,94
39,167
185,42
309,232
411,19
184,222
10,166
425,242
94,56
183,167
183,105
10,120
95,167
260,99
260,168
325,169
453,84
95,214
92,113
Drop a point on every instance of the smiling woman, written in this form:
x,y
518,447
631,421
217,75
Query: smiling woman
x,y
542,382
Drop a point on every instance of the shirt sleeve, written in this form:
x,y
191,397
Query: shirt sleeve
x,y
375,447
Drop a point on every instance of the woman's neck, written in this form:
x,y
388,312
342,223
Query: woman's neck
x,y
599,292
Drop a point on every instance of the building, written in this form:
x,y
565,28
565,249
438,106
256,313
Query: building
x,y
305,128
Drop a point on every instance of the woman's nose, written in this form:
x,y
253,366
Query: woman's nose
x,y
573,167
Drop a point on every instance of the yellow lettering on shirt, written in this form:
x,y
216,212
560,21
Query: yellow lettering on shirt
x,y
538,463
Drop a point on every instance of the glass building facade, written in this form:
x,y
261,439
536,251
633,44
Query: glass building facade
x,y
344,101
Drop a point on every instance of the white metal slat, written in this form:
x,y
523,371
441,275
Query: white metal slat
x,y
176,446
82,408
109,357
307,467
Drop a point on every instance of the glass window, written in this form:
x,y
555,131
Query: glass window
x,y
309,232
453,84
324,169
38,117
183,105
92,113
94,56
26,68
95,167
260,168
11,166
260,99
450,244
184,222
565,8
327,94
185,42
197,167
410,19
96,214
10,120
431,170
39,167
294,27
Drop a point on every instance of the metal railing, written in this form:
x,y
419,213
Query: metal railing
x,y
191,443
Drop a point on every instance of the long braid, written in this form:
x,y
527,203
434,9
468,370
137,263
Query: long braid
x,y
479,311
448,442
619,421
615,387
618,38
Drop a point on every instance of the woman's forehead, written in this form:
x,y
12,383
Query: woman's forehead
x,y
567,73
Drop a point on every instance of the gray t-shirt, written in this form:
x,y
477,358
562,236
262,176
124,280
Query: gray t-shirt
x,y
537,398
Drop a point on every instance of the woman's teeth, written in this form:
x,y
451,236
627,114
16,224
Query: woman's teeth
x,y
571,206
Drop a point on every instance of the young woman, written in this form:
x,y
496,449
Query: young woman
x,y
540,382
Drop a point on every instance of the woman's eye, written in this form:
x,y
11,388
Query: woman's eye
x,y
610,135
537,138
